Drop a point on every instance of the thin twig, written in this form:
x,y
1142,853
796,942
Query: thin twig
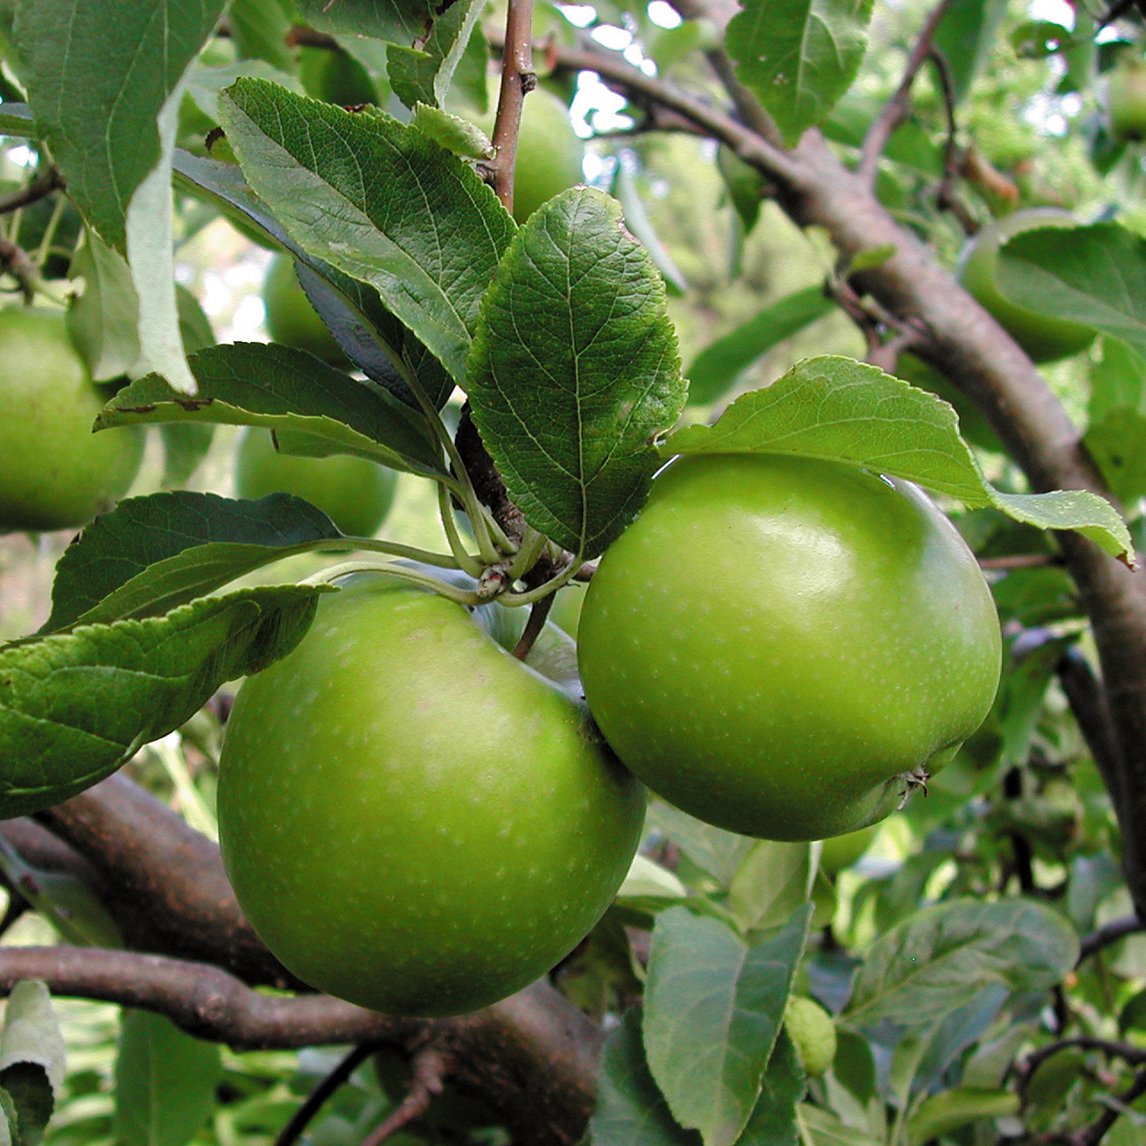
x,y
538,613
946,198
1108,934
47,180
517,79
430,1069
305,1114
896,109
1117,1106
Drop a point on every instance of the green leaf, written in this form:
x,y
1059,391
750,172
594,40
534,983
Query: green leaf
x,y
384,349
399,21
641,227
424,230
575,370
103,318
261,384
165,1081
75,707
773,1119
965,36
773,881
152,554
799,56
1117,443
261,30
125,60
714,850
713,1009
951,1110
1097,278
423,74
820,1127
941,957
717,366
843,410
630,1110
31,1059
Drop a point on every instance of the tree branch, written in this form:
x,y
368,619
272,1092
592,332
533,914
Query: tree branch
x,y
533,1056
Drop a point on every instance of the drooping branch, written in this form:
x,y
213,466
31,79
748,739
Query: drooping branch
x,y
533,1056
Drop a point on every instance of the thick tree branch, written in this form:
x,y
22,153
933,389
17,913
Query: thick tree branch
x,y
533,1056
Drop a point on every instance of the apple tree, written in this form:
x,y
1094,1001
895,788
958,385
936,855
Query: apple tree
x,y
811,337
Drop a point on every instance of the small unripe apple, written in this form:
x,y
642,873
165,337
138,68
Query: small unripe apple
x,y
549,153
355,493
290,319
413,819
54,472
785,646
1045,337
1126,100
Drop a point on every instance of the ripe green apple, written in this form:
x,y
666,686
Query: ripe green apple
x,y
412,819
1126,100
290,319
355,493
1045,337
54,472
549,153
784,646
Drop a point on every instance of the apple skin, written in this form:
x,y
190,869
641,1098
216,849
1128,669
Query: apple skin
x,y
549,153
355,493
412,819
1126,100
776,643
54,472
1044,337
290,319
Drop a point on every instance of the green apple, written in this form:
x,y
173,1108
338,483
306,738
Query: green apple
x,y
54,472
355,493
813,1033
1045,337
290,319
413,819
1126,100
549,153
785,646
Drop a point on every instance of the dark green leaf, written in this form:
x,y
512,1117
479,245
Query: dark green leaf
x,y
718,365
31,1059
151,554
424,230
641,226
713,1008
261,31
371,337
1097,278
424,74
773,1120
74,707
840,409
820,1127
125,60
165,1081
399,21
941,957
630,1109
965,36
799,56
575,371
260,384
773,881
713,850
953,1109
